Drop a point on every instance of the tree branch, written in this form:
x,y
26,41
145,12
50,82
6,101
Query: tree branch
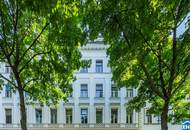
x,y
154,52
160,71
33,79
23,67
152,85
15,41
8,80
34,41
124,34
180,85
173,61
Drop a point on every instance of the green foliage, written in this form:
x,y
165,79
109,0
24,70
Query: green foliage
x,y
142,38
40,40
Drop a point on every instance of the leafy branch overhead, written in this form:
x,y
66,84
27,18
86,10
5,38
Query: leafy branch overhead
x,y
40,41
152,57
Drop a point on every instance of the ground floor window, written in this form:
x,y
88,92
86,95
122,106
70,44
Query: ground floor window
x,y
84,116
69,116
39,116
129,117
114,115
99,115
53,116
8,116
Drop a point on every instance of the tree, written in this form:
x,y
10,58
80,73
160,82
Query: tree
x,y
145,51
40,41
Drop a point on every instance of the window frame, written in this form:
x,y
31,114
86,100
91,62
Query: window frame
x,y
99,66
114,116
85,116
70,115
129,92
99,92
8,92
38,119
101,116
53,117
8,116
129,117
84,91
115,91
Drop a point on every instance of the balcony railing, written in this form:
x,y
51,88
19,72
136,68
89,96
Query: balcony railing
x,y
89,125
115,94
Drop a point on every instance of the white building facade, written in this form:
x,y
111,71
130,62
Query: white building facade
x,y
96,103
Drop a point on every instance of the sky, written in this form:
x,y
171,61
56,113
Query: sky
x,y
181,29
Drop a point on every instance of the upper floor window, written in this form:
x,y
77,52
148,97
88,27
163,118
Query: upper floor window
x,y
99,66
8,92
99,90
69,115
187,97
8,116
114,91
39,116
84,116
84,90
99,114
129,93
114,115
7,68
84,70
53,116
71,93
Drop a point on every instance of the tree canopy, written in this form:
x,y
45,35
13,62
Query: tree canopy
x,y
145,52
40,41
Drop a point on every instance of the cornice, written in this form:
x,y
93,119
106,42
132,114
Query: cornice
x,y
96,45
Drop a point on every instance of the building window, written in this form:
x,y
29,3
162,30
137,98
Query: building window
x,y
99,114
53,116
84,90
7,68
114,115
71,95
99,90
84,70
99,66
8,92
148,117
129,117
8,114
129,93
158,119
38,116
71,92
114,91
84,116
69,116
26,94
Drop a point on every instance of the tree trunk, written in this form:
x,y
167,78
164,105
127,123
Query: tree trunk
x,y
23,120
164,116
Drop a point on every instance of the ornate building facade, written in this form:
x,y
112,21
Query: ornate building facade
x,y
96,103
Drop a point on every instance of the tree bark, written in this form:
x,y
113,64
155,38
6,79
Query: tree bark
x,y
164,116
23,120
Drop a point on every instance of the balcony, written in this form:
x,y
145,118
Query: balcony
x,y
115,94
